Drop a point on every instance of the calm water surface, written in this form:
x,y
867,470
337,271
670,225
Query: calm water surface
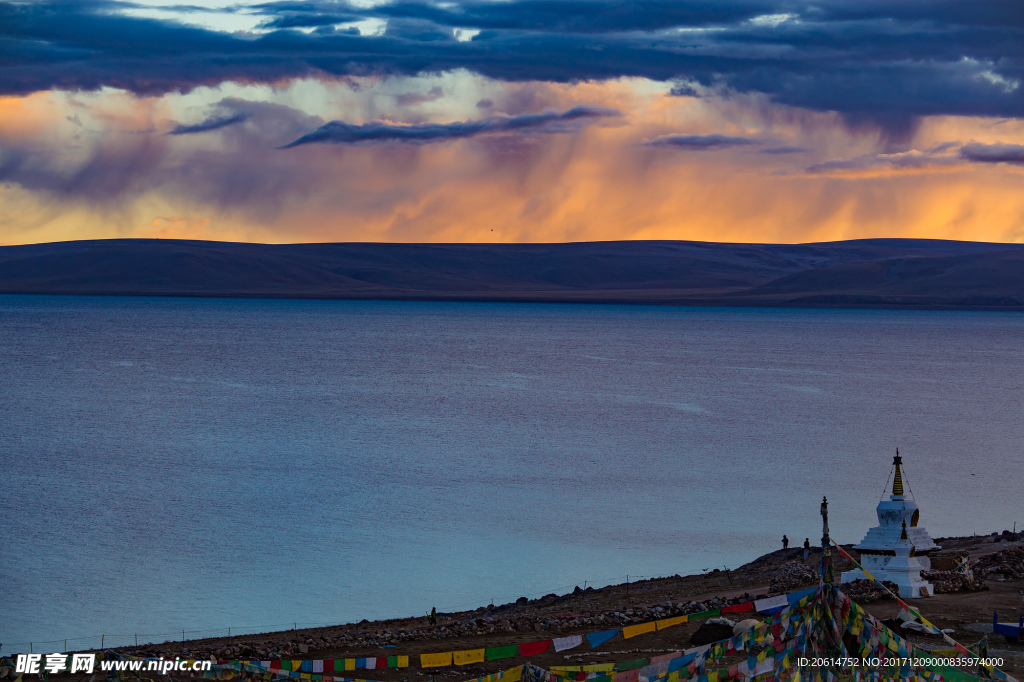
x,y
176,464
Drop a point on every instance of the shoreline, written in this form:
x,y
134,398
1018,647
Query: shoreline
x,y
843,303
580,611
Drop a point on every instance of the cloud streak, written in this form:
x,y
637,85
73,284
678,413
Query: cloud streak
x,y
411,99
215,123
701,142
993,153
909,161
786,149
945,155
340,132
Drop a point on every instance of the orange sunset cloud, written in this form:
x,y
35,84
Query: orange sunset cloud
x,y
667,167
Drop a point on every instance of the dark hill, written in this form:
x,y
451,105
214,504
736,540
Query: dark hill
x,y
985,280
900,272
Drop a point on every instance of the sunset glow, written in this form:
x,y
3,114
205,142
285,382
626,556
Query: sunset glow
x,y
447,154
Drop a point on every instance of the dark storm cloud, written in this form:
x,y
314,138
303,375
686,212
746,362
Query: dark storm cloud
x,y
214,123
993,153
877,63
287,19
684,90
339,132
618,16
700,142
571,16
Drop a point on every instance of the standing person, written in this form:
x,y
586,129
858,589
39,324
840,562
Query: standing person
x,y
785,542
433,616
983,653
807,548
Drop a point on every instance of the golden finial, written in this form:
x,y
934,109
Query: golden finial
x,y
897,481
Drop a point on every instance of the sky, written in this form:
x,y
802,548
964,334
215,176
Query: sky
x,y
511,120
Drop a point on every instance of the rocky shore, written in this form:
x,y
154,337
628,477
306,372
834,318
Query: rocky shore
x,y
581,610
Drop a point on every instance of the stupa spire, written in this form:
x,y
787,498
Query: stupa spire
x,y
897,481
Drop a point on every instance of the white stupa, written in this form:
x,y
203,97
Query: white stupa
x,y
904,569
897,540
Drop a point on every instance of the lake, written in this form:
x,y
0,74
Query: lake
x,y
180,464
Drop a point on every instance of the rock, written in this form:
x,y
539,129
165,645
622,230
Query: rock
x,y
1007,562
946,582
892,624
710,632
744,625
864,591
791,576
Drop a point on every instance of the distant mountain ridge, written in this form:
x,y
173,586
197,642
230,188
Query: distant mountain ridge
x,y
861,273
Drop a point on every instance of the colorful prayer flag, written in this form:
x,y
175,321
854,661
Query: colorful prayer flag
x,y
634,630
596,639
669,622
469,656
739,608
495,653
435,660
534,648
706,614
565,643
